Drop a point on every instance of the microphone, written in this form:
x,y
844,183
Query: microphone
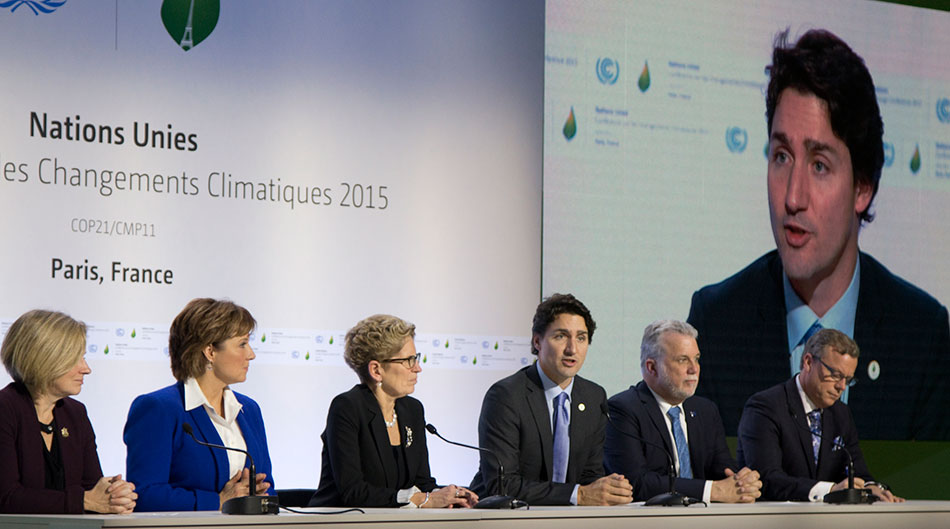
x,y
250,504
666,499
498,501
850,495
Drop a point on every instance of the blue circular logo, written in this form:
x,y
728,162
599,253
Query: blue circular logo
x,y
736,139
943,110
888,154
463,359
93,348
120,332
608,70
435,342
295,354
319,339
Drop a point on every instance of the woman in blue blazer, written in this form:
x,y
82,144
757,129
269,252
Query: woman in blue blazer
x,y
374,445
210,350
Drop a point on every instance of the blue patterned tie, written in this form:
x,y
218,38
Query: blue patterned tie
x,y
814,424
562,441
682,450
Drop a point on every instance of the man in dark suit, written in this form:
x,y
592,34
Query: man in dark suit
x,y
825,159
545,423
792,433
642,430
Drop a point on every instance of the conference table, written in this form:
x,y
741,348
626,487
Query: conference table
x,y
912,514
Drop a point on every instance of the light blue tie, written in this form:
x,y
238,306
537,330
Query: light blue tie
x,y
814,424
682,450
562,440
799,350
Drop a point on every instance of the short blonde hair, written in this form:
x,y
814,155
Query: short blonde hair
x,y
42,346
203,322
377,337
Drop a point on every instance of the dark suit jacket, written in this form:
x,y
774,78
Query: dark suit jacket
x,y
636,412
515,424
22,467
744,342
170,470
359,469
775,440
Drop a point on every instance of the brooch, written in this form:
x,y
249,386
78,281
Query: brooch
x,y
64,432
408,437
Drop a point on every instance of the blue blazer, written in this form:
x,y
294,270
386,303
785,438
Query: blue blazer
x,y
170,470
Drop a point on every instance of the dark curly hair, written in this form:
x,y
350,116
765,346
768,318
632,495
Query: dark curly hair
x,y
553,307
822,64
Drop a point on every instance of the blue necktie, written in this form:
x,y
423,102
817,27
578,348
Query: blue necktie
x,y
562,441
814,424
682,450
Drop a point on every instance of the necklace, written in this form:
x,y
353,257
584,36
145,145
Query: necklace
x,y
389,424
47,428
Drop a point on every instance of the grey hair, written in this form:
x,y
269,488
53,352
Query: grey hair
x,y
650,345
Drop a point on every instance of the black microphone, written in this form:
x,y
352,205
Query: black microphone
x,y
498,501
850,495
666,499
250,504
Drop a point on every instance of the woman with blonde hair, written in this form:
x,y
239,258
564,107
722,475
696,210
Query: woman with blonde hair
x,y
48,459
374,445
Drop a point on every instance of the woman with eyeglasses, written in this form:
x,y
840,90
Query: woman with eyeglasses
x,y
374,444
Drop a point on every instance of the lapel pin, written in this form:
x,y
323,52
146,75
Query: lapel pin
x,y
581,407
408,437
64,432
692,414
874,370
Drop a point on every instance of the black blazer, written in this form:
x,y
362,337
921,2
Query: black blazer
x,y
22,468
775,440
637,412
516,426
744,342
359,469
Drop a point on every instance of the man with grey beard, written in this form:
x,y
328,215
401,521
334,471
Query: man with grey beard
x,y
661,411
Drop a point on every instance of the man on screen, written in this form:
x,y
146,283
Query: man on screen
x,y
546,424
798,434
659,418
824,166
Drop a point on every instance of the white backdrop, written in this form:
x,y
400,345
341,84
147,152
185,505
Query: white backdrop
x,y
417,122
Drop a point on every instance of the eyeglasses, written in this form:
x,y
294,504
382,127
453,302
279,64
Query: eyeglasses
x,y
409,361
838,376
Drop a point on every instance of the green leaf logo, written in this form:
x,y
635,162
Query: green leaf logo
x,y
446,344
474,360
425,359
106,350
189,22
915,160
263,337
331,340
133,333
570,126
644,81
496,346
307,357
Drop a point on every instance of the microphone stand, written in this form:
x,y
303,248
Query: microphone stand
x,y
250,504
498,501
665,499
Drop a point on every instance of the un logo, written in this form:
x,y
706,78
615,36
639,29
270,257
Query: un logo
x,y
736,139
888,154
608,70
37,6
943,110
